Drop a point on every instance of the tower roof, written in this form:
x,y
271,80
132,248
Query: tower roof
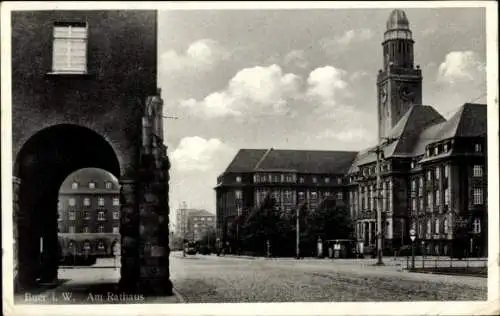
x,y
398,20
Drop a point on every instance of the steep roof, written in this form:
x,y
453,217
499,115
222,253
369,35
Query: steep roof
x,y
469,121
86,175
418,119
406,132
245,160
303,161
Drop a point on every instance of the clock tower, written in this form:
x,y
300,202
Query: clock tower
x,y
399,83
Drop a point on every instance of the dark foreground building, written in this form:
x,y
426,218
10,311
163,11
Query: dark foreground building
x,y
85,95
433,171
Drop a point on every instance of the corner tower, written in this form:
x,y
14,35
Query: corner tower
x,y
399,83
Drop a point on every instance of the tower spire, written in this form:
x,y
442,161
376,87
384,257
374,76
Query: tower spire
x,y
399,82
398,41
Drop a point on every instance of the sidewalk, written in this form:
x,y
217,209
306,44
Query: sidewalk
x,y
90,285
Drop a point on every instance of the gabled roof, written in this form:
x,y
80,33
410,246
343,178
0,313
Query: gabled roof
x,y
469,121
406,132
302,161
418,119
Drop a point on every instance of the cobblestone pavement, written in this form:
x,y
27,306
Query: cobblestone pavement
x,y
210,279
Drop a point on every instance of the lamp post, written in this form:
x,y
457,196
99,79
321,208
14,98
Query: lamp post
x,y
412,236
379,151
297,228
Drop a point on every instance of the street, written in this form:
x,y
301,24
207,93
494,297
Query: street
x,y
212,279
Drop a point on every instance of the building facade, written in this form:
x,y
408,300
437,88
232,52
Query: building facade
x,y
291,177
85,94
199,222
89,213
433,170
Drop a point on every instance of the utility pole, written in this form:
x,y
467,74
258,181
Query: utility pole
x,y
379,151
297,228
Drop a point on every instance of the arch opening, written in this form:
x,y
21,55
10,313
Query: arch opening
x,y
42,165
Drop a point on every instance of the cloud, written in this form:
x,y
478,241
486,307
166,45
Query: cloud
x,y
201,55
346,39
461,67
199,154
296,58
327,86
257,90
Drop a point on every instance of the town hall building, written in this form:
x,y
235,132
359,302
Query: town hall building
x,y
433,170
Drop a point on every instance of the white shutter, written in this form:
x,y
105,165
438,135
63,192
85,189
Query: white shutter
x,y
70,49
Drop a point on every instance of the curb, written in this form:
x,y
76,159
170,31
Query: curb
x,y
179,296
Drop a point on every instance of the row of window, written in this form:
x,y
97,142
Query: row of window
x,y
86,245
290,178
92,185
443,227
101,215
86,229
203,218
366,198
434,197
291,195
372,170
86,202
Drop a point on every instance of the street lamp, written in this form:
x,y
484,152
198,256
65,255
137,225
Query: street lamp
x,y
412,237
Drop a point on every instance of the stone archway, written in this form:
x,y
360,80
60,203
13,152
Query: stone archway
x,y
41,166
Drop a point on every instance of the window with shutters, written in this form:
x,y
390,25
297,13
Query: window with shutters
x,y
70,48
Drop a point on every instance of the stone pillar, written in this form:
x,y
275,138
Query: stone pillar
x,y
129,230
16,183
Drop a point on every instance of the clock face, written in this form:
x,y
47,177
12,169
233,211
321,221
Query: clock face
x,y
406,93
383,93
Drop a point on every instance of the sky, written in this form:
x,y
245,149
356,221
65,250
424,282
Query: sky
x,y
295,79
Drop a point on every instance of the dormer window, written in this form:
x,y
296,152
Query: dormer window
x,y
301,179
412,165
339,180
436,150
74,185
314,180
445,148
91,185
238,179
327,180
428,152
109,185
478,148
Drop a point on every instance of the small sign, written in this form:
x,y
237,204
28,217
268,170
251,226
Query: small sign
x,y
412,238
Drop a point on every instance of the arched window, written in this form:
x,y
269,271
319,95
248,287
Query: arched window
x,y
436,226
445,224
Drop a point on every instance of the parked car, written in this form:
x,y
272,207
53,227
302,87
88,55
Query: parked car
x,y
190,248
204,250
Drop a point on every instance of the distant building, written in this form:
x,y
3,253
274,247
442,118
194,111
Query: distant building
x,y
434,172
199,223
89,212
